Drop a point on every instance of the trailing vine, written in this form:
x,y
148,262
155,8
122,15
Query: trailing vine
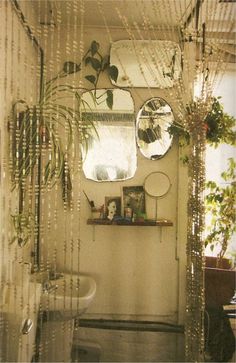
x,y
219,127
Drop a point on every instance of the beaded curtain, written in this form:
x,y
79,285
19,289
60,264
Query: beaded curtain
x,y
41,78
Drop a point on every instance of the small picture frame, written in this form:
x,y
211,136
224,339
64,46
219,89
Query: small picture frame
x,y
134,197
112,207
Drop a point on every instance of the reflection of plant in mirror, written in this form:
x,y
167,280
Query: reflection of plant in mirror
x,y
37,128
218,124
153,122
220,204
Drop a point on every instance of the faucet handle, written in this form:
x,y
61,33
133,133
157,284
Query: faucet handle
x,y
46,286
49,287
53,275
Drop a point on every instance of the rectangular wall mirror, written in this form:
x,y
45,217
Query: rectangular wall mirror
x,y
110,154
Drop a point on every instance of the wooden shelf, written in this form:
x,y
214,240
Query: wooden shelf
x,y
122,222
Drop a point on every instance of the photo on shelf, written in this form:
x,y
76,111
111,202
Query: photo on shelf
x,y
112,207
134,198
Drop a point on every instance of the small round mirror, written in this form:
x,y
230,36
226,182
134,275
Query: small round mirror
x,y
157,185
153,121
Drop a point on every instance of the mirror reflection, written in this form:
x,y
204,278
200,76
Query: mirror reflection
x,y
153,121
142,63
110,154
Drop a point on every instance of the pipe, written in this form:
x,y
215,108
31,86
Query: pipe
x,y
29,32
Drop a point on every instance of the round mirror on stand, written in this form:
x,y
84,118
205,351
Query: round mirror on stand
x,y
157,185
152,135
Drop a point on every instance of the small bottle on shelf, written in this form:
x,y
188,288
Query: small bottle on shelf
x,y
128,213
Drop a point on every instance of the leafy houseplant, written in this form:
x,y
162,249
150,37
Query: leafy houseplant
x,y
218,124
219,276
41,135
220,202
219,283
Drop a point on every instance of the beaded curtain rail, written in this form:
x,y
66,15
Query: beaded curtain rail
x,y
51,53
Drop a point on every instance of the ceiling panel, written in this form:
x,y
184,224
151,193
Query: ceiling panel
x,y
115,12
218,17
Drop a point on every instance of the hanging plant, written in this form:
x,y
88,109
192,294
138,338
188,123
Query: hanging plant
x,y
219,126
37,134
38,128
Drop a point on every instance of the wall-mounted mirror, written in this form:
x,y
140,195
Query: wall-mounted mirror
x,y
146,63
111,153
153,121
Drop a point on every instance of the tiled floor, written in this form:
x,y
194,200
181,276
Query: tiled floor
x,y
127,346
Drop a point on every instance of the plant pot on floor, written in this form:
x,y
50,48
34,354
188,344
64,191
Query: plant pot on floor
x,y
219,290
214,262
219,286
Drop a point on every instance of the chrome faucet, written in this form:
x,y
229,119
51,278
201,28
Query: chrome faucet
x,y
48,287
53,275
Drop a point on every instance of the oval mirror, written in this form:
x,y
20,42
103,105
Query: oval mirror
x,y
153,121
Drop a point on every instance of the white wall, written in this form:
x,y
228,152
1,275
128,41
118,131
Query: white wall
x,y
136,268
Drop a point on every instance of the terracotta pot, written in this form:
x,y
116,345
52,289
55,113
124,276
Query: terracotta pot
x,y
214,262
219,286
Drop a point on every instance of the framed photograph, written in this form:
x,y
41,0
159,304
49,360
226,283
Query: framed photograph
x,y
112,207
134,197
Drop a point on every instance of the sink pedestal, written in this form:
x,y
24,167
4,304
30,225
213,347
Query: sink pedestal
x,y
56,339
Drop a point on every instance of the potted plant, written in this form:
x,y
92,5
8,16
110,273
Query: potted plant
x,y
220,204
220,200
41,134
218,124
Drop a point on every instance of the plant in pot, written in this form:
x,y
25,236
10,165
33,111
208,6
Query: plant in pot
x,y
219,275
220,208
220,205
41,134
220,200
218,124
220,229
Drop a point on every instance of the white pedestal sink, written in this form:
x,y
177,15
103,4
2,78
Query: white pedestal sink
x,y
64,297
68,295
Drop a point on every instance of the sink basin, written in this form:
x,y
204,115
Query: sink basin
x,y
68,295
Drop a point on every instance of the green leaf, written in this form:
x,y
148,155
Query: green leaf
x,y
109,99
105,62
96,64
91,78
94,47
88,60
113,72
